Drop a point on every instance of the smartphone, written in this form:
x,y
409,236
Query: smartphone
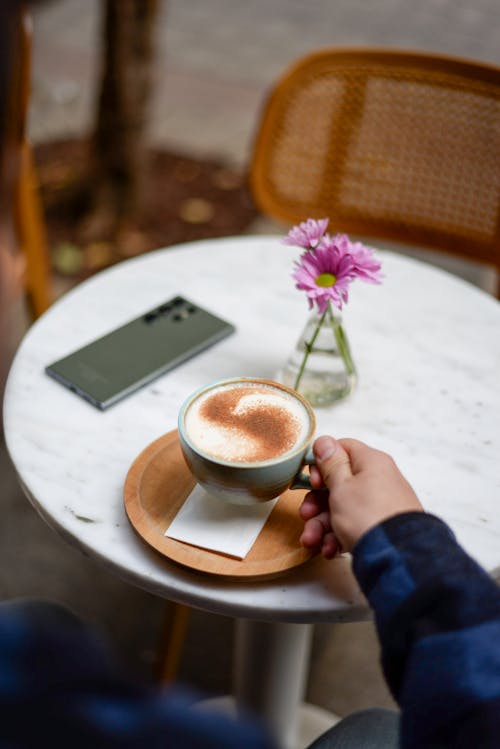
x,y
106,370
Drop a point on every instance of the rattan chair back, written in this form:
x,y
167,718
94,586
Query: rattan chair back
x,y
389,145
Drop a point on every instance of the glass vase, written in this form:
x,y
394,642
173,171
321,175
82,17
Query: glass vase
x,y
320,366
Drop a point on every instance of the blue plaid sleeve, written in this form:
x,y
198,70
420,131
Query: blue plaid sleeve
x,y
60,687
438,618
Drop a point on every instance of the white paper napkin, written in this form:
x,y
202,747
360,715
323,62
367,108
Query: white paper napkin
x,y
211,524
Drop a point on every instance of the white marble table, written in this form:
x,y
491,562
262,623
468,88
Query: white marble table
x,y
427,347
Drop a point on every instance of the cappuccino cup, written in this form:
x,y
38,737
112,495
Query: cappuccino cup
x,y
246,440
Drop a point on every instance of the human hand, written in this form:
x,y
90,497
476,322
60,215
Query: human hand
x,y
355,487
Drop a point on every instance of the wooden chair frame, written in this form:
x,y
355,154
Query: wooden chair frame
x,y
28,220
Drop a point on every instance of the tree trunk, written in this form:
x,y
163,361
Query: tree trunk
x,y
118,142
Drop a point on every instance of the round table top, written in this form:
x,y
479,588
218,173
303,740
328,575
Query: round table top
x,y
427,349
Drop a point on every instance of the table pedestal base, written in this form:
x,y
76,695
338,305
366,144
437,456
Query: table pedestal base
x,y
271,669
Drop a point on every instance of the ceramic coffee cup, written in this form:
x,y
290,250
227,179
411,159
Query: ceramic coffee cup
x,y
246,440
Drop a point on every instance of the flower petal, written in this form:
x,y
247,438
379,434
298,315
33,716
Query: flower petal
x,y
326,255
307,234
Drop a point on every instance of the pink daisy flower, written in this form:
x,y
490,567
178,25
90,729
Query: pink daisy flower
x,y
367,267
308,234
325,274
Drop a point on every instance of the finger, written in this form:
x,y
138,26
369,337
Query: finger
x,y
330,546
360,454
314,530
332,461
315,477
312,535
312,504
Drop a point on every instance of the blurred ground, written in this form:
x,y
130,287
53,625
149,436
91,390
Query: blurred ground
x,y
216,61
218,57
185,198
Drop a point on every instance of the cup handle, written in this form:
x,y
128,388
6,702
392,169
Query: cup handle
x,y
301,480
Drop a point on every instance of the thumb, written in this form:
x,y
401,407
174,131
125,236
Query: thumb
x,y
332,461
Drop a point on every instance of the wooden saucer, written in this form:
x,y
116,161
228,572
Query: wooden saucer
x,y
157,484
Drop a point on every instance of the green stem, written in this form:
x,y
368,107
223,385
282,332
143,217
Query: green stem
x,y
341,340
308,348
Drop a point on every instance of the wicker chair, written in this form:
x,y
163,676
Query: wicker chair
x,y
389,145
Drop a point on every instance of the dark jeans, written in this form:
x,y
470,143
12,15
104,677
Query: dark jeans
x,y
45,613
367,729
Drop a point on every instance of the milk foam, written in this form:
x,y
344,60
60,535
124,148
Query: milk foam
x,y
235,444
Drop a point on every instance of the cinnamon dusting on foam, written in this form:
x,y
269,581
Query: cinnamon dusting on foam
x,y
254,423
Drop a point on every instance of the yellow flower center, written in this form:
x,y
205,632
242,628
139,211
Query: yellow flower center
x,y
325,280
